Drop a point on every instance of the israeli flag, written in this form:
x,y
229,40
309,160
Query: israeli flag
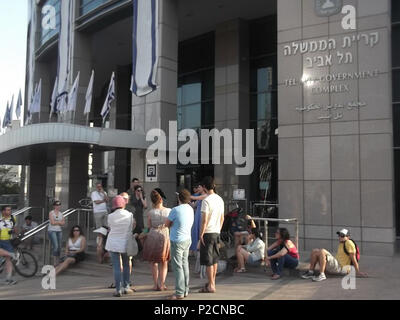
x,y
19,105
145,42
62,99
5,119
89,95
37,99
109,99
53,102
73,95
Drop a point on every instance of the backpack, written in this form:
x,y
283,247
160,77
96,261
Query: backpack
x,y
357,250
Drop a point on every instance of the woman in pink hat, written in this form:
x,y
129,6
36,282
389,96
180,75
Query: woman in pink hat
x,y
120,222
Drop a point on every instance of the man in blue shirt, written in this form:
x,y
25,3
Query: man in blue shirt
x,y
180,220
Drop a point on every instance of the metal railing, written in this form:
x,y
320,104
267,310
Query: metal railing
x,y
45,224
26,209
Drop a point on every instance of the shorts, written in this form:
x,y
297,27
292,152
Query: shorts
x,y
333,266
77,256
100,219
209,252
253,261
6,245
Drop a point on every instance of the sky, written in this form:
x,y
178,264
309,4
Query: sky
x,y
13,33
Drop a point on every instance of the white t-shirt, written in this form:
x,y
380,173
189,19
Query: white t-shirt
x,y
213,206
96,196
120,224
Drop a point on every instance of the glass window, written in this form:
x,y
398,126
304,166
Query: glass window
x,y
396,127
191,93
395,10
47,34
89,5
189,116
397,186
396,46
266,141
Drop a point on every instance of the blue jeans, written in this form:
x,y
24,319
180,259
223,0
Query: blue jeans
x,y
55,239
180,264
115,258
286,261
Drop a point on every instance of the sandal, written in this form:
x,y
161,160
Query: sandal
x,y
242,270
164,288
175,297
205,289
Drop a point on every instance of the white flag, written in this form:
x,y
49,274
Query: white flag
x,y
11,110
73,95
19,105
145,51
37,99
53,102
89,95
109,99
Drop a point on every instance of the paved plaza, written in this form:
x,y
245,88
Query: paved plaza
x,y
90,281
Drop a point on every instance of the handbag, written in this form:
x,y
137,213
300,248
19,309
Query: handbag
x,y
132,246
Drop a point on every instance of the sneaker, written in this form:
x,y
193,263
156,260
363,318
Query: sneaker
x,y
128,291
11,282
308,274
117,294
321,277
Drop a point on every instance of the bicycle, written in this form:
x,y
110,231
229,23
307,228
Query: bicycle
x,y
27,265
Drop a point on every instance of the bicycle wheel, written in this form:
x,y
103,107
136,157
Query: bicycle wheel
x,y
27,266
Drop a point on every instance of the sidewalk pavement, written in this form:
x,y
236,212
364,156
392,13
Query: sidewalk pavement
x,y
90,280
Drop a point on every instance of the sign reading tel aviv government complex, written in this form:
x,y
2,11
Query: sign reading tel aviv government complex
x,y
335,120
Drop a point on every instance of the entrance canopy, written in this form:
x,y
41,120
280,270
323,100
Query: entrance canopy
x,y
27,145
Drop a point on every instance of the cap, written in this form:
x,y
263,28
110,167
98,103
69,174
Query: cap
x,y
118,202
101,230
56,203
343,231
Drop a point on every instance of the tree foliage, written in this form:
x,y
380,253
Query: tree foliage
x,y
6,185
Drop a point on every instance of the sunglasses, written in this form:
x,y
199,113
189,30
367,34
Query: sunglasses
x,y
342,235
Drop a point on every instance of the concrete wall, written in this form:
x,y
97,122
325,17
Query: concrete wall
x,y
336,172
232,102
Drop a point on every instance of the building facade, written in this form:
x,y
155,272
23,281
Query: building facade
x,y
313,78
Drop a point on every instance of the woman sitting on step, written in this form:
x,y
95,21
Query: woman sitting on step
x,y
75,249
282,254
252,254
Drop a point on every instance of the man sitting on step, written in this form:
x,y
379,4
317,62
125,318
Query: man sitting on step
x,y
347,256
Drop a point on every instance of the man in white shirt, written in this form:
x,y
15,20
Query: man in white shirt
x,y
100,199
212,216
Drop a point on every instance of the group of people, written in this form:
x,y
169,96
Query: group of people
x,y
194,225
169,236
